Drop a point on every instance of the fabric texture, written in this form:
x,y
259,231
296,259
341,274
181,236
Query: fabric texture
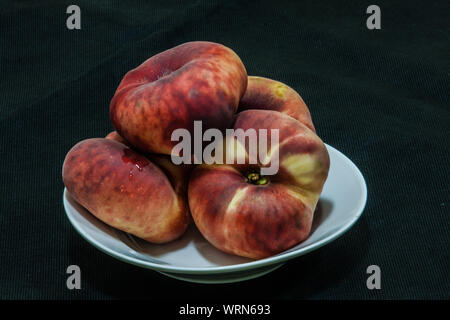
x,y
379,96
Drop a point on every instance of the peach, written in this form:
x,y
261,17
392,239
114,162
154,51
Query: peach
x,y
242,212
267,94
201,81
125,190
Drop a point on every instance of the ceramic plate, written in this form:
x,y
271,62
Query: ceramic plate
x,y
192,258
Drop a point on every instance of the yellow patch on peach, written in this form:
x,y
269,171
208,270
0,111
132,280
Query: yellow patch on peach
x,y
308,197
303,167
237,198
280,90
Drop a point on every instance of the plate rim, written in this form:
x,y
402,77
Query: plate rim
x,y
279,258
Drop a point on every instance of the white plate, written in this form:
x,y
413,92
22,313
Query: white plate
x,y
192,258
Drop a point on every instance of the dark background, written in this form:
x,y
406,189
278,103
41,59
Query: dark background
x,y
379,96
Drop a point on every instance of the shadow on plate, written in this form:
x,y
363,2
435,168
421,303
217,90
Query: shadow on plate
x,y
191,237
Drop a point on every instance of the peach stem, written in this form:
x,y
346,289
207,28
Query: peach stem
x,y
255,178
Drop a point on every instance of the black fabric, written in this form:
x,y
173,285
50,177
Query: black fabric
x,y
379,96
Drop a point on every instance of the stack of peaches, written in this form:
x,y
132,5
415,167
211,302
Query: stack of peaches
x,y
129,180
